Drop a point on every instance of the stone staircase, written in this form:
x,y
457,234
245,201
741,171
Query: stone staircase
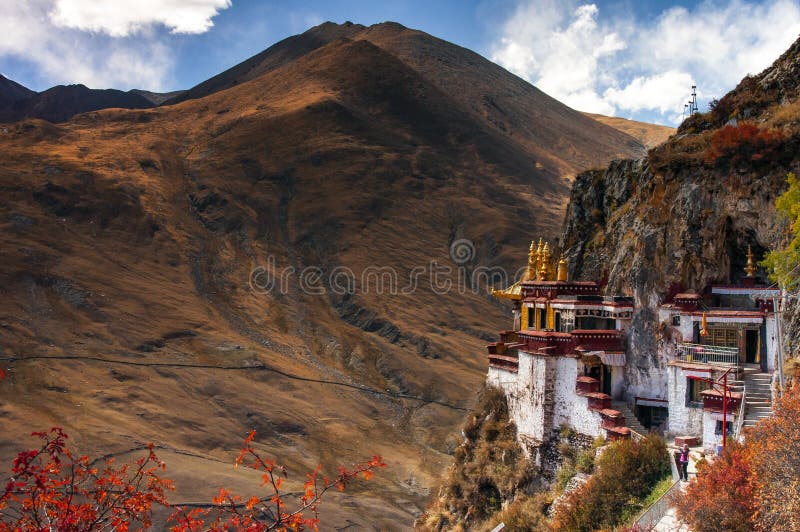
x,y
758,398
630,419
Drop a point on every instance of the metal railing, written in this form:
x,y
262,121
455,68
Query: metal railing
x,y
737,430
650,516
708,354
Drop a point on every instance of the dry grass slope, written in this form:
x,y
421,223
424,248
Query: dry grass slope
x,y
129,237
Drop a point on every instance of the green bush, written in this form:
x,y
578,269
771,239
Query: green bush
x,y
584,463
624,475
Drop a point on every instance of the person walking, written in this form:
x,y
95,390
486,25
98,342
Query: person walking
x,y
683,461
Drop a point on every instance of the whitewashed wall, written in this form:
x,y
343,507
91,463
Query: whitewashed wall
x,y
683,420
570,408
711,440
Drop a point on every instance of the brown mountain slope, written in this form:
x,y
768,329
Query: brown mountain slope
x,y
11,91
559,137
62,102
130,238
650,135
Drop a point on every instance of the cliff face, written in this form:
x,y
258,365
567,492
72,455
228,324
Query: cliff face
x,y
654,235
683,217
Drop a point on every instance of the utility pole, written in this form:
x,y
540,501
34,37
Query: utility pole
x,y
780,305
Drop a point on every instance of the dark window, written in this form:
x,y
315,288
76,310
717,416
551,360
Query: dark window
x,y
676,321
531,312
542,319
728,428
693,389
557,322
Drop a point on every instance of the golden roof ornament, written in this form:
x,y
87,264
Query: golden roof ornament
x,y
544,267
533,258
561,273
750,269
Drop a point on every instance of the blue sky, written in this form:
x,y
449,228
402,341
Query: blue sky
x,y
625,58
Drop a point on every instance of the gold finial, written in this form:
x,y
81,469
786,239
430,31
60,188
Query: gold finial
x,y
703,326
750,269
533,258
537,261
561,273
544,266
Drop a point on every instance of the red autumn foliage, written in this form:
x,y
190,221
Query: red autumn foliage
x,y
722,496
233,512
51,489
744,142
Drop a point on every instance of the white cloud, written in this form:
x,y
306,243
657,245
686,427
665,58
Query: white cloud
x,y
664,92
120,19
56,36
643,68
559,51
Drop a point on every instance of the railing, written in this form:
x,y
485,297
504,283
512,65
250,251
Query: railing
x,y
651,515
737,430
708,354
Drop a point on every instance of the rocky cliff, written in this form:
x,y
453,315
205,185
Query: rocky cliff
x,y
682,217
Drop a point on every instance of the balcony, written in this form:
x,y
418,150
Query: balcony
x,y
708,354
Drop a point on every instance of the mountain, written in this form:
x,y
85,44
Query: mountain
x,y
156,98
139,246
501,100
11,91
274,57
683,217
650,135
62,102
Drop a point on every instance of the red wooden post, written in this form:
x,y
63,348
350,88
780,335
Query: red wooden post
x,y
724,409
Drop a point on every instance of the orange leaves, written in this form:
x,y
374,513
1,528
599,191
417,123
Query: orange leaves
x,y
50,486
721,497
752,486
743,142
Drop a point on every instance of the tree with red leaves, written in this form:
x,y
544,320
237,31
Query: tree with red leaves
x,y
721,497
755,485
51,489
232,512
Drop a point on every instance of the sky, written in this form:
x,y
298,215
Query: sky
x,y
628,58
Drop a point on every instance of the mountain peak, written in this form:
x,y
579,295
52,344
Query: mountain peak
x,y
11,91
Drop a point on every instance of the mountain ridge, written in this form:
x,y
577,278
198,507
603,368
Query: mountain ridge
x,y
139,237
62,102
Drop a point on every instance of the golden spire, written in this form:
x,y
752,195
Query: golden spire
x,y
750,269
533,258
561,273
544,266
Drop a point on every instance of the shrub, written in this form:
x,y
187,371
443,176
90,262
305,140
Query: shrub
x,y
523,514
625,474
489,468
744,142
721,497
752,486
585,462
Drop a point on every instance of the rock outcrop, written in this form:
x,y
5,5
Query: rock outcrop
x,y
680,220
